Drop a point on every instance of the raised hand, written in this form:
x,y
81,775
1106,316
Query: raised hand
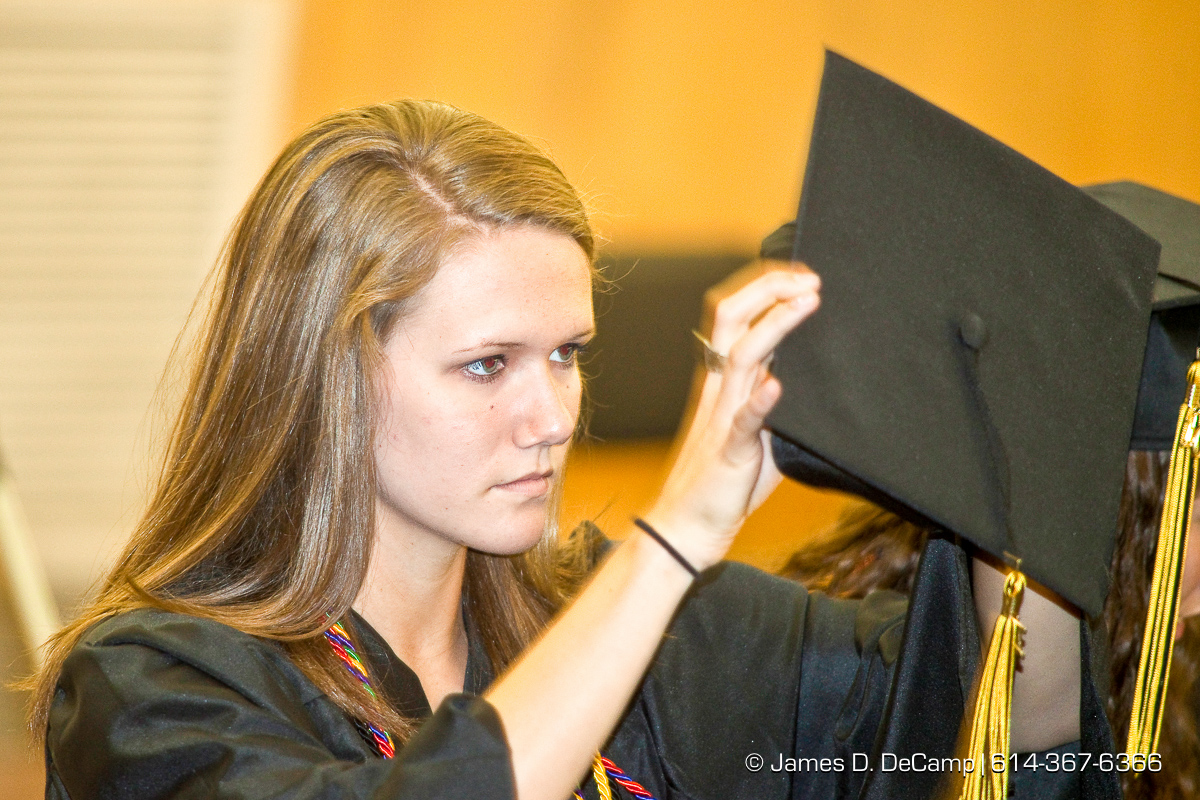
x,y
722,468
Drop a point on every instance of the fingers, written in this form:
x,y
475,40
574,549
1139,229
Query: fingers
x,y
761,306
746,275
744,443
721,470
751,350
736,303
754,346
748,392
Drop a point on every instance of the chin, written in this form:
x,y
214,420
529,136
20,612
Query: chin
x,y
512,547
510,538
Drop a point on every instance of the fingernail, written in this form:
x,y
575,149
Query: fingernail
x,y
802,301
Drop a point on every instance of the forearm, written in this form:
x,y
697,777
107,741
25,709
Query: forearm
x,y
563,698
1045,698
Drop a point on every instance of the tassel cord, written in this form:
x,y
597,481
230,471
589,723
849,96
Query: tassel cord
x,y
1158,637
990,725
601,778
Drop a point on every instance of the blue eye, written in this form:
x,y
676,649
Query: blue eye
x,y
486,367
567,354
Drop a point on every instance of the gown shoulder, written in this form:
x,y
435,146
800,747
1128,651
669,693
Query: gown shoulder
x,y
152,704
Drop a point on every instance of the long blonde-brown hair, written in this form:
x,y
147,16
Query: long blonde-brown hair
x,y
262,513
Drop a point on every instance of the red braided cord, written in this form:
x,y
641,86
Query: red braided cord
x,y
628,783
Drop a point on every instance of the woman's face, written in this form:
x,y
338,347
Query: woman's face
x,y
481,392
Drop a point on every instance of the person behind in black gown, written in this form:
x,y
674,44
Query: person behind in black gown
x,y
870,549
374,433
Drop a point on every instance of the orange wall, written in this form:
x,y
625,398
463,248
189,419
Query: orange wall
x,y
610,483
687,121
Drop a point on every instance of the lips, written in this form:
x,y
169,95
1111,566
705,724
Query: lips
x,y
533,484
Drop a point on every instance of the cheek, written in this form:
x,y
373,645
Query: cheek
x,y
435,436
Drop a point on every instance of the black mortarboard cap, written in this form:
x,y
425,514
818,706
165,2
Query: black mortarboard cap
x,y
1175,324
975,360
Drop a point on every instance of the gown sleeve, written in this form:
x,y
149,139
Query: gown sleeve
x,y
754,674
155,705
764,691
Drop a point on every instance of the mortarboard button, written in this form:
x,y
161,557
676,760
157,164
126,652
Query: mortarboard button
x,y
973,331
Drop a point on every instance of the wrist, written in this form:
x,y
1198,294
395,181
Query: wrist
x,y
662,541
693,544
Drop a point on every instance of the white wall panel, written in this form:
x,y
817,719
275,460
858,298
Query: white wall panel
x,y
129,133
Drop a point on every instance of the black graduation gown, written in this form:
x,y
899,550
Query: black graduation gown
x,y
931,693
157,705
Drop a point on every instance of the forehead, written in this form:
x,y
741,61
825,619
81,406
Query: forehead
x,y
510,276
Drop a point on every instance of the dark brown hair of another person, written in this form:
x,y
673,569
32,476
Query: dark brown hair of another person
x,y
867,549
870,548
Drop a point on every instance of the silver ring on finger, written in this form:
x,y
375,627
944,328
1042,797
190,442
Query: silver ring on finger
x,y
713,361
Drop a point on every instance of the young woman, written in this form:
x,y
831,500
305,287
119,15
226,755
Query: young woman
x,y
373,433
354,525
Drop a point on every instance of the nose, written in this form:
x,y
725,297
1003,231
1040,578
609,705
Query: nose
x,y
549,411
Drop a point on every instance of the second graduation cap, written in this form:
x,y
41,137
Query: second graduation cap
x,y
1175,324
975,360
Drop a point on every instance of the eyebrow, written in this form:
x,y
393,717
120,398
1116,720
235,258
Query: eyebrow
x,y
488,344
492,344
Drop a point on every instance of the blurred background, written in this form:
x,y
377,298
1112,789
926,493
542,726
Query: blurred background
x,y
130,132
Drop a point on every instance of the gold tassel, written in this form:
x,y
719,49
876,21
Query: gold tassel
x,y
1158,637
993,704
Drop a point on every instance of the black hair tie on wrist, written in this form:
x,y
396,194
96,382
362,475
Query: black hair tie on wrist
x,y
658,537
